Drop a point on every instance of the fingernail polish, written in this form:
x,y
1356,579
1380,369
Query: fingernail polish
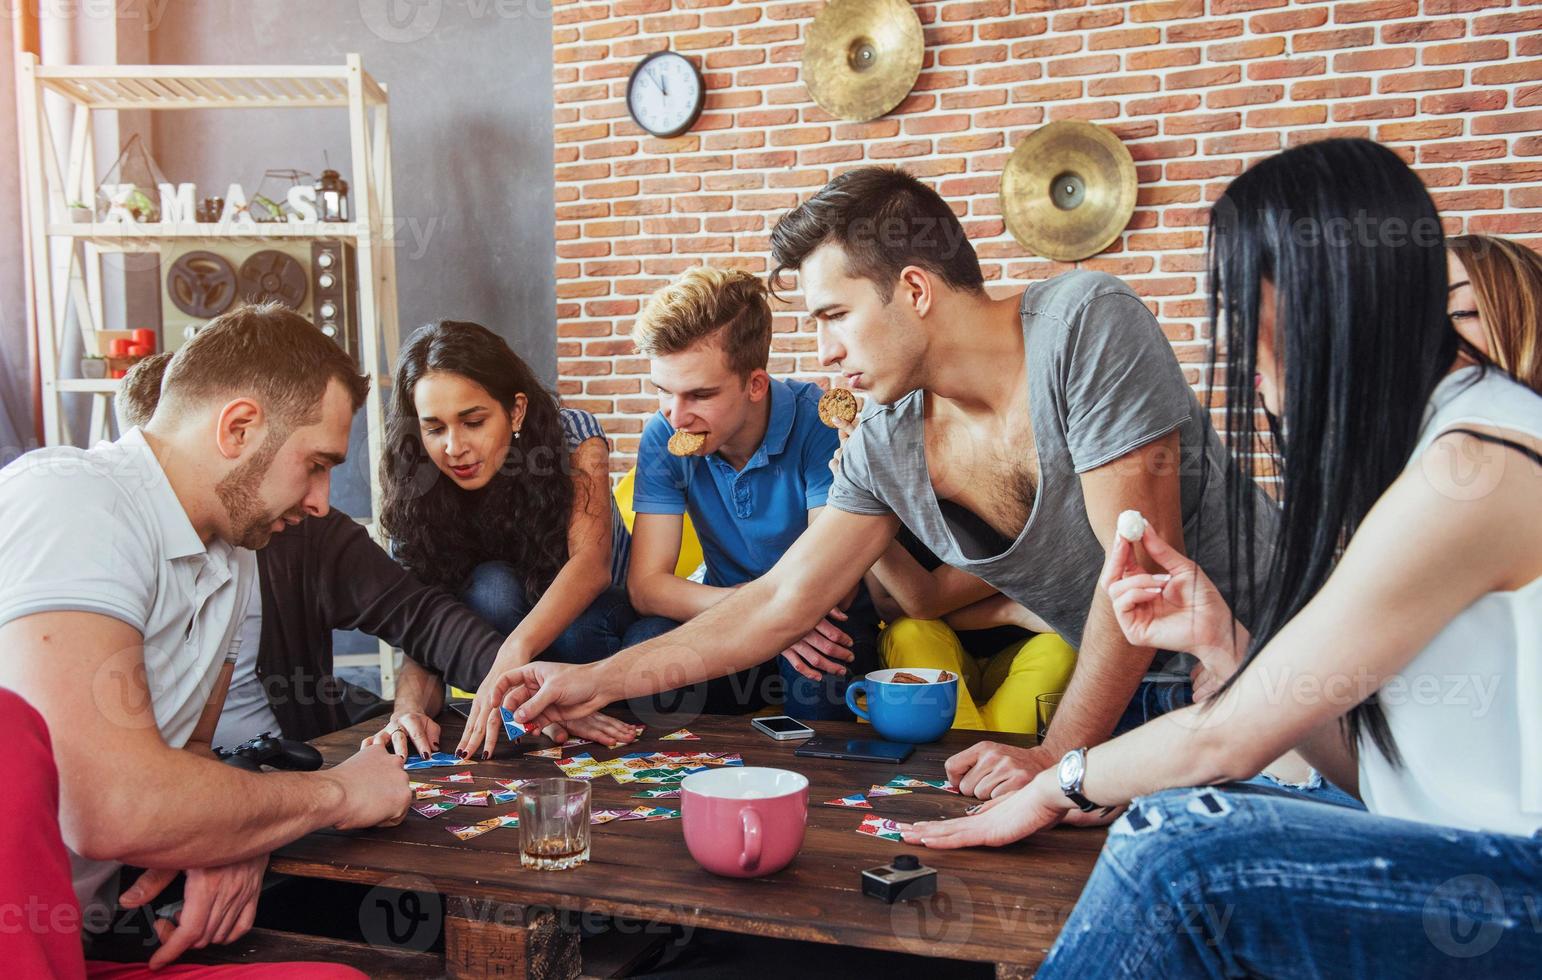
x,y
486,756
462,753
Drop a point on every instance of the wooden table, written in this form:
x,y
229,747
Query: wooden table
x,y
1002,906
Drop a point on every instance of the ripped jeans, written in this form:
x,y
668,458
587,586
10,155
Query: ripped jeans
x,y
1243,880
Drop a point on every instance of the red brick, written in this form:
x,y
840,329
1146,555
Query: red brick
x,y
1162,106
970,143
897,150
978,54
1505,173
1460,6
800,136
1264,71
1529,46
1529,146
1355,37
1475,101
1508,23
873,129
1374,10
1205,30
1122,85
1525,197
1219,7
936,37
1263,47
1420,32
1164,10
1506,224
1307,115
1421,81
1092,64
1015,28
1290,20
1047,92
977,11
981,98
1331,88
1163,58
1008,118
1163,150
1243,143
1047,47
1085,20
1456,152
1374,109
1452,54
1204,77
926,125
1469,200
1385,59
1529,96
1133,37
1514,122
1084,110
1219,122
1519,71
1424,130
1228,98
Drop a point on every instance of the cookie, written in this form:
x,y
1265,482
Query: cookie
x,y
837,404
684,443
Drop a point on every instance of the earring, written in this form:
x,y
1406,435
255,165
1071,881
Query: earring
x,y
516,433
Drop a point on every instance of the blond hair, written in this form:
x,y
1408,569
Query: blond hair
x,y
728,305
1506,279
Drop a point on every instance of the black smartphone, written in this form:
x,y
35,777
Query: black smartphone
x,y
855,749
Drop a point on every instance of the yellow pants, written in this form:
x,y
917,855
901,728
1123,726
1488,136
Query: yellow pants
x,y
1008,683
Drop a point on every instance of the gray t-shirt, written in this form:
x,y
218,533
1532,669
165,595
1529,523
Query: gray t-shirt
x,y
1102,381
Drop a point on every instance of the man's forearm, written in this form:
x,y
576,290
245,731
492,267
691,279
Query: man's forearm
x,y
1108,671
676,598
418,689
178,812
746,628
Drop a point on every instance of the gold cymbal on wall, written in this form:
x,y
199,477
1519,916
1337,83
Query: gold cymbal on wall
x,y
1068,190
861,57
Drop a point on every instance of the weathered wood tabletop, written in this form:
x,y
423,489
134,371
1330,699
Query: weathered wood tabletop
x,y
1003,906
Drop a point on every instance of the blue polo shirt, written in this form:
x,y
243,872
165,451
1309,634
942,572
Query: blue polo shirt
x,y
745,518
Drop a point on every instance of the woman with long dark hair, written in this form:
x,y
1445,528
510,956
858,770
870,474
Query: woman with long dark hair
x,y
496,493
1398,644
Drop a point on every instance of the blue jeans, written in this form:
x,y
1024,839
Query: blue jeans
x,y
1236,881
494,592
772,682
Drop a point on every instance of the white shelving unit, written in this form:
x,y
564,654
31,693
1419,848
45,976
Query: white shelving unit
x,y
66,257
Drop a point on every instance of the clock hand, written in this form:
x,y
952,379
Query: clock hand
x,y
659,81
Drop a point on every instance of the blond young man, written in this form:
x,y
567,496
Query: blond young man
x,y
758,479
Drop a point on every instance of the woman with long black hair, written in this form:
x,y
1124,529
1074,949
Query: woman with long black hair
x,y
496,493
1398,645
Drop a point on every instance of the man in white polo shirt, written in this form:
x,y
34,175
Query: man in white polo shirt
x,y
120,599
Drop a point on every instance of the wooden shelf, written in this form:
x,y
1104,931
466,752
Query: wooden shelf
x,y
111,233
93,386
207,86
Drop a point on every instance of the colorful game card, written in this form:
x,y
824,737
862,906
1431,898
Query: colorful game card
x,y
655,813
511,728
657,794
881,827
605,816
911,782
433,808
455,777
467,833
507,796
425,791
683,735
481,797
856,801
508,821
512,785
555,752
887,791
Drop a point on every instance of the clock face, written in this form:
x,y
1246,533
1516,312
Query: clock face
x,y
665,94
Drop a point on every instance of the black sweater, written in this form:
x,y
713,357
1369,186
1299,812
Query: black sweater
x,y
327,573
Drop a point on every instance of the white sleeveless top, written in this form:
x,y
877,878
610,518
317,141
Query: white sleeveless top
x,y
1466,713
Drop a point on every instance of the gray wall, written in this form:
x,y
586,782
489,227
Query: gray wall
x,y
471,140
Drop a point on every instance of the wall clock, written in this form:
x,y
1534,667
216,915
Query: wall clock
x,y
665,94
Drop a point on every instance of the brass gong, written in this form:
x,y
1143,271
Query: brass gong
x,y
1068,190
861,57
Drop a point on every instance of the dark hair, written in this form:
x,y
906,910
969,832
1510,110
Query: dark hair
x,y
442,532
269,352
1353,245
884,219
140,391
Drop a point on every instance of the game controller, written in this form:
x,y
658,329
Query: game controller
x,y
266,750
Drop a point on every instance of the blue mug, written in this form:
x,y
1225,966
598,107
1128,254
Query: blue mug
x,y
903,712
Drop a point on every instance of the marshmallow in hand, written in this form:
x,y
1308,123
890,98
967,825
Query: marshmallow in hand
x,y
1132,526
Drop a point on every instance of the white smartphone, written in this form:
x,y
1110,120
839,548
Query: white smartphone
x,y
782,728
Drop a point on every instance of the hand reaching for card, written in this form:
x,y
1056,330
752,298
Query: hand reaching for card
x,y
991,769
219,905
407,733
1006,819
542,693
598,727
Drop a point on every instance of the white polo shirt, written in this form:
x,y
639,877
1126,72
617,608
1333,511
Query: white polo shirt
x,y
101,531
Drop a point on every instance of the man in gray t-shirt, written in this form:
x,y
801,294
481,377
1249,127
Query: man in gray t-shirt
x,y
1007,433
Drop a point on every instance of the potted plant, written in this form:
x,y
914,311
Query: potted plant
x,y
93,367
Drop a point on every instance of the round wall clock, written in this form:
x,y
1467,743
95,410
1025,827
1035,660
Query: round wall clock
x,y
665,94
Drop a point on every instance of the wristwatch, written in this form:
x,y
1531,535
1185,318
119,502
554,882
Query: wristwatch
x,y
1072,769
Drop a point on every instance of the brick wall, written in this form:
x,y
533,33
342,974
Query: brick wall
x,y
1197,89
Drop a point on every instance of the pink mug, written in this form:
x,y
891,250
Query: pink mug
x,y
743,822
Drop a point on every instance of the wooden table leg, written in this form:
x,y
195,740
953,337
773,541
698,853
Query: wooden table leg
x,y
483,938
